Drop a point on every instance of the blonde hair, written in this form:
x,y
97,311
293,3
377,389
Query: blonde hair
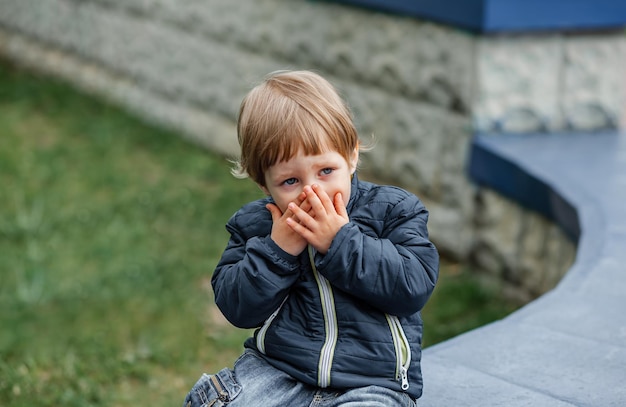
x,y
289,112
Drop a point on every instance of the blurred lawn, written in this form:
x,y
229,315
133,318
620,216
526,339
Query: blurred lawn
x,y
109,232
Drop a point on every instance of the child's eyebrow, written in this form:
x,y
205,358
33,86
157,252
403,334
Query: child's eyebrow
x,y
324,161
282,175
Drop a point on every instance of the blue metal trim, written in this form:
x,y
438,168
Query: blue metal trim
x,y
490,16
490,169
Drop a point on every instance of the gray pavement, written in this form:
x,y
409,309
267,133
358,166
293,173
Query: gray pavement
x,y
567,348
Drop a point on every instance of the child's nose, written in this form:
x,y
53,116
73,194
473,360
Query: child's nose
x,y
308,183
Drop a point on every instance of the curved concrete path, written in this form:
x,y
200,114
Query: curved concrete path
x,y
567,348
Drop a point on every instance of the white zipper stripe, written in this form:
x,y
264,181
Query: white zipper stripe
x,y
402,348
260,336
330,325
396,343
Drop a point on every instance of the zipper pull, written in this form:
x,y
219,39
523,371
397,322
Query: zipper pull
x,y
405,379
223,396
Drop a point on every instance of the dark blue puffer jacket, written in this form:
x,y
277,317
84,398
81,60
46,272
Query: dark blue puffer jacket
x,y
350,318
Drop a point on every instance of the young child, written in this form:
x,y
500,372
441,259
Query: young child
x,y
330,270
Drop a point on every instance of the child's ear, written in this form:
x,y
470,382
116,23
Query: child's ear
x,y
354,160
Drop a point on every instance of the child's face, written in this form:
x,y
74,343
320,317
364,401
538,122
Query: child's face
x,y
285,180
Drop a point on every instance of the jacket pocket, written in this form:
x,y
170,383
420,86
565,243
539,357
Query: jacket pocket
x,y
213,390
403,350
260,336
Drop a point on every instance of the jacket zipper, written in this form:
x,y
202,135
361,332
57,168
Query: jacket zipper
x,y
330,325
403,350
222,394
260,336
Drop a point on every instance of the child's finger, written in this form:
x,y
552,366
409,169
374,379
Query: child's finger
x,y
340,205
298,228
325,199
305,205
314,196
274,211
300,199
299,215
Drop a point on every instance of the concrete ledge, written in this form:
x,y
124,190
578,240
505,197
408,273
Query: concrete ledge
x,y
568,348
489,168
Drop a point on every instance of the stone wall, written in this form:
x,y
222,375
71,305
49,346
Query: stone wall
x,y
417,89
551,82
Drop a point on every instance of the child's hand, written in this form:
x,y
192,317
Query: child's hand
x,y
319,225
282,234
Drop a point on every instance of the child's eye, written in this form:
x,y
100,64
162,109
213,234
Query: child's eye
x,y
327,171
290,181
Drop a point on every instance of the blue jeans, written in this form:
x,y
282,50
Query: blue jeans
x,y
254,382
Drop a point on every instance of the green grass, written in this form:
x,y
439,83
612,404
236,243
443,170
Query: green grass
x,y
109,232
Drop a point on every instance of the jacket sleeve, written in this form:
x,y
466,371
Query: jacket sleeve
x,y
253,275
396,271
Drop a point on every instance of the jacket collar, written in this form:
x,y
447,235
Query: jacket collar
x,y
354,191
